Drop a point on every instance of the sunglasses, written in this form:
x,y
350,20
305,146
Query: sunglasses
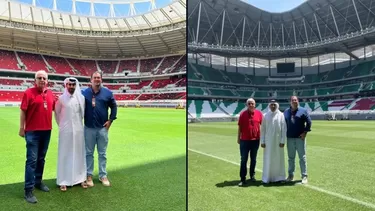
x,y
40,78
71,84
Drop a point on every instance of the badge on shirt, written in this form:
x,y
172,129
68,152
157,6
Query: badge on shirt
x,y
93,102
45,105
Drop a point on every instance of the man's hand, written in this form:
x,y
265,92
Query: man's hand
x,y
303,136
21,132
238,141
281,145
107,124
263,145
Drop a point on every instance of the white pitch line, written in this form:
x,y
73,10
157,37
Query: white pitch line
x,y
366,204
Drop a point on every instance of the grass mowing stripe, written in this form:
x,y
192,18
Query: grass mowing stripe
x,y
369,205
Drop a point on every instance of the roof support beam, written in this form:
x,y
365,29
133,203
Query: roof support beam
x,y
356,12
271,34
258,33
316,14
166,45
166,15
74,11
199,21
317,26
140,44
343,48
222,28
243,30
308,24
119,47
294,30
304,24
371,12
334,20
282,33
331,5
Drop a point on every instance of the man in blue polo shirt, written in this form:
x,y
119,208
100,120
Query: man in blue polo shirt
x,y
298,124
97,123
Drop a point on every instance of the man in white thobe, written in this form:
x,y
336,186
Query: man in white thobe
x,y
69,113
272,139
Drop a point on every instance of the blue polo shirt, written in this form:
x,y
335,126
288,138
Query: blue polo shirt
x,y
95,117
297,122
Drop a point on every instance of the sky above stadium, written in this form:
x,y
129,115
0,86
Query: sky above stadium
x,y
83,8
275,5
101,10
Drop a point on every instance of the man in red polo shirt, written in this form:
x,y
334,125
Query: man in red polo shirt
x,y
248,138
36,125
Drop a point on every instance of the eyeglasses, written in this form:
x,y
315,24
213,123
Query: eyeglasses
x,y
71,84
40,78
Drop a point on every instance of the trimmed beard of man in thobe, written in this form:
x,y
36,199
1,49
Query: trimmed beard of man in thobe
x,y
69,113
273,137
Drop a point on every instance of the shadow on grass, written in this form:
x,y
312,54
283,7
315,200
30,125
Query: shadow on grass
x,y
255,184
153,186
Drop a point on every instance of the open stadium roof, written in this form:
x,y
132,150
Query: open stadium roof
x,y
235,28
160,32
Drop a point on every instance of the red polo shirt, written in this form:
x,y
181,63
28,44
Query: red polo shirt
x,y
37,116
249,123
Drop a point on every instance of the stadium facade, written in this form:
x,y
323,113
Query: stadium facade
x,y
321,51
142,56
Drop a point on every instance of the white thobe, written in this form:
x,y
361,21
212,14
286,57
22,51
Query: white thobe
x,y
71,164
273,132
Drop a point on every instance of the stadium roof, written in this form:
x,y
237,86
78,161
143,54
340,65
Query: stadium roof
x,y
235,28
161,31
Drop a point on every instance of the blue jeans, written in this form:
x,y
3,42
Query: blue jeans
x,y
299,145
247,147
36,149
99,137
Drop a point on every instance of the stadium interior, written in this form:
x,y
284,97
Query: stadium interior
x,y
321,51
142,57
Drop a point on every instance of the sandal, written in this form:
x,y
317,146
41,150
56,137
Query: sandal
x,y
84,185
63,188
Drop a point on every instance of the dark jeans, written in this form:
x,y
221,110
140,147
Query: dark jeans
x,y
245,148
36,149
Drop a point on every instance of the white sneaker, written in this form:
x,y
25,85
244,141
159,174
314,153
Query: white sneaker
x,y
105,181
304,180
289,179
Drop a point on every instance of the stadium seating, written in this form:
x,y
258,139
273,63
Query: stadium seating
x,y
12,95
8,60
211,74
34,62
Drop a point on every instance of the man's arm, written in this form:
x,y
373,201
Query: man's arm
x,y
263,131
239,129
113,107
308,122
24,105
283,131
239,134
57,111
22,123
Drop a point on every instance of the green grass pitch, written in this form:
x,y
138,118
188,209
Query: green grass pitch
x,y
146,164
340,162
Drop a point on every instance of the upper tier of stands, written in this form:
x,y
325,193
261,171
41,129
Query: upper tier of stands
x,y
201,72
33,62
